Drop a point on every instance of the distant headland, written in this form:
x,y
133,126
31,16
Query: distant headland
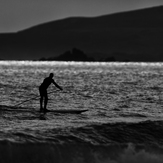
x,y
75,55
127,36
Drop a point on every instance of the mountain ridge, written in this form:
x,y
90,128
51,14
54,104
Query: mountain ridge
x,y
132,35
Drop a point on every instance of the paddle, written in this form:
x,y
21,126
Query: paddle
x,y
38,96
33,98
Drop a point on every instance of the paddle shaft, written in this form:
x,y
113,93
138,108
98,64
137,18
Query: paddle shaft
x,y
38,96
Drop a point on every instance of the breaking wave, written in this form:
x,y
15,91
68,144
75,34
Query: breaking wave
x,y
79,153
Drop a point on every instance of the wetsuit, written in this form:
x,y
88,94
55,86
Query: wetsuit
x,y
43,91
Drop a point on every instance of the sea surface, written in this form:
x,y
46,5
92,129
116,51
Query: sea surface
x,y
123,124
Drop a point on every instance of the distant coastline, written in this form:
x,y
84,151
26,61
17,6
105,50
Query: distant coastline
x,y
76,55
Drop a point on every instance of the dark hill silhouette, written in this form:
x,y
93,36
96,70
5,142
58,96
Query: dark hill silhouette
x,y
74,55
134,35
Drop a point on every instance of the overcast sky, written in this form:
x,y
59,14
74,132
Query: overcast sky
x,y
16,15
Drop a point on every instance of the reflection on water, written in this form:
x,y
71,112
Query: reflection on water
x,y
110,91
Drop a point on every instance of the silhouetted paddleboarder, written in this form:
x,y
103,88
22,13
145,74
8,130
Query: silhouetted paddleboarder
x,y
43,91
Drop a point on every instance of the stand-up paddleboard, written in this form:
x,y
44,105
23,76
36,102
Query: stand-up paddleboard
x,y
70,111
23,109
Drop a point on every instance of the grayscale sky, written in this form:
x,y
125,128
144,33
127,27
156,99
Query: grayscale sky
x,y
16,15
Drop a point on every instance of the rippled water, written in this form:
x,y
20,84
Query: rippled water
x,y
124,102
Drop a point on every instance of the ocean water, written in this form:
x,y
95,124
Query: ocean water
x,y
123,124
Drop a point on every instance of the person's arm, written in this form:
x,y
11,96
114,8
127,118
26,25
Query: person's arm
x,y
57,85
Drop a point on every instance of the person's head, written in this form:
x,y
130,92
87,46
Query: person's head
x,y
51,75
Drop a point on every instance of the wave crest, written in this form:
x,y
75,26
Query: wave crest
x,y
81,153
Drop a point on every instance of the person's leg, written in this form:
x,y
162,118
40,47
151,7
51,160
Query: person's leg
x,y
41,99
45,100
